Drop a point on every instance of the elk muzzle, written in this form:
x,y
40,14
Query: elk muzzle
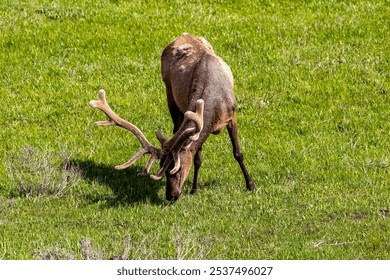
x,y
176,181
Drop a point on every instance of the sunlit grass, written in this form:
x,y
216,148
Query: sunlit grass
x,y
312,85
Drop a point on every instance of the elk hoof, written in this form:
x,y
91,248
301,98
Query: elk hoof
x,y
251,186
193,191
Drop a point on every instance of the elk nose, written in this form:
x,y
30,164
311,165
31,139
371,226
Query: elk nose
x,y
173,195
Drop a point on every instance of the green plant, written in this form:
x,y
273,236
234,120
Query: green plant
x,y
35,172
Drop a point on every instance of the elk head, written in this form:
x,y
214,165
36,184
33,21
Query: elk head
x,y
174,155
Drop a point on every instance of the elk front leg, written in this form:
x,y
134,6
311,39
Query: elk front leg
x,y
198,159
238,155
176,115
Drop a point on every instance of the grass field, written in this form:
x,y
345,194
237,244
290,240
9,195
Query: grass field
x,y
312,84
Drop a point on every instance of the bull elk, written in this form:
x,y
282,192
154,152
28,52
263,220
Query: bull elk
x,y
199,87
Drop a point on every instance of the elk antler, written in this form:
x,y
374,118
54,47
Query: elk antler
x,y
197,117
179,141
183,140
114,119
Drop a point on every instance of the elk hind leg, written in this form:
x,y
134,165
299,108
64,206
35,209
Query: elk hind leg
x,y
238,155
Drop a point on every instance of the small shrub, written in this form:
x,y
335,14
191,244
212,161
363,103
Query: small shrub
x,y
88,251
36,172
55,253
187,246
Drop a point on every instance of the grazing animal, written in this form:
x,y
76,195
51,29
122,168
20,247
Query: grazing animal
x,y
199,87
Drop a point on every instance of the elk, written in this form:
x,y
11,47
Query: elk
x,y
201,101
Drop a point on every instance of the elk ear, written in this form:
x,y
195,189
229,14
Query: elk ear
x,y
160,137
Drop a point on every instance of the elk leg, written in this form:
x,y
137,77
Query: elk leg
x,y
176,115
238,155
198,159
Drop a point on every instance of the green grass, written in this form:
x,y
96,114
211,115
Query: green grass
x,y
312,85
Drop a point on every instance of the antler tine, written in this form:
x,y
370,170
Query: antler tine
x,y
178,146
114,119
164,168
197,117
149,164
132,160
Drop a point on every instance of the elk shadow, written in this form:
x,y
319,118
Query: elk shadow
x,y
126,187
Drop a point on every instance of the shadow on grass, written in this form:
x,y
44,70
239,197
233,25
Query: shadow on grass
x,y
127,188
